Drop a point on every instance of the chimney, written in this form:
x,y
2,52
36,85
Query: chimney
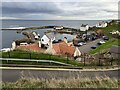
x,y
13,45
50,44
39,43
65,40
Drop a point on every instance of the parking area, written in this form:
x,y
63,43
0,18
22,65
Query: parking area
x,y
86,48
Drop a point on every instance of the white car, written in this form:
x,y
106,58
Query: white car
x,y
102,42
81,43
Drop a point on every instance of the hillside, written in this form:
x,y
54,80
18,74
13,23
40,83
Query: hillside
x,y
104,47
110,28
112,41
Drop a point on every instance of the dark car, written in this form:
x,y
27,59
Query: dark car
x,y
99,43
94,47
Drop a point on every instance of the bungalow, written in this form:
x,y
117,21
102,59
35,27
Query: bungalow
x,y
46,38
36,47
115,32
99,32
58,27
62,48
101,24
90,35
84,27
115,52
5,50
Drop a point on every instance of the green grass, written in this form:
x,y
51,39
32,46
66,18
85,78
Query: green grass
x,y
99,82
104,47
20,54
110,28
33,55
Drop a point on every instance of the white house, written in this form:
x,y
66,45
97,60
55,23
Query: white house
x,y
101,24
84,27
23,44
115,32
46,38
5,50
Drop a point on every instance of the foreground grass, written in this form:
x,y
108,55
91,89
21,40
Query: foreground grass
x,y
63,83
105,46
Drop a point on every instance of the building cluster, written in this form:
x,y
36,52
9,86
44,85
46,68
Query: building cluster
x,y
50,45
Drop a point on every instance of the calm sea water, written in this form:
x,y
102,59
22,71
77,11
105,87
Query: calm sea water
x,y
9,36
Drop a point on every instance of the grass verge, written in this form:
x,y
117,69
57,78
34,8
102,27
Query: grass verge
x,y
99,82
105,46
39,56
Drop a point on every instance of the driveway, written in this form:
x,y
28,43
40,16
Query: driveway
x,y
86,48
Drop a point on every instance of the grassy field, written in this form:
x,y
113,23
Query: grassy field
x,y
99,82
33,55
20,54
110,28
105,46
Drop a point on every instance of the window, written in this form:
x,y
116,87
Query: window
x,y
42,39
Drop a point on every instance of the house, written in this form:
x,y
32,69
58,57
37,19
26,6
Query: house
x,y
23,44
58,27
101,24
46,38
62,48
115,32
5,50
36,47
84,27
90,35
100,32
115,52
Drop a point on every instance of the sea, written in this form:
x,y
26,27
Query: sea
x,y
9,35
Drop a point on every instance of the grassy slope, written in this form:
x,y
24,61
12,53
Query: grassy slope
x,y
105,46
109,43
109,29
63,83
26,55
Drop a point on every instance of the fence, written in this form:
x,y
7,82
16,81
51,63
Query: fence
x,y
99,60
85,59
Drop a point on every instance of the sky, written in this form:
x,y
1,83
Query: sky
x,y
59,9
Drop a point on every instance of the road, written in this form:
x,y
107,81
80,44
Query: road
x,y
11,75
86,48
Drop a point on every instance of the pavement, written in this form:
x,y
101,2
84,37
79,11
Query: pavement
x,y
86,48
11,74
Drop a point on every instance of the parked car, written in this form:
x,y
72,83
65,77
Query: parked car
x,y
55,41
101,42
94,47
82,43
105,38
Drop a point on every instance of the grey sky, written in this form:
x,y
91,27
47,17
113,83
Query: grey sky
x,y
60,10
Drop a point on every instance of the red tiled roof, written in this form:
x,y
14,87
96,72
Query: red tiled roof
x,y
63,48
32,47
